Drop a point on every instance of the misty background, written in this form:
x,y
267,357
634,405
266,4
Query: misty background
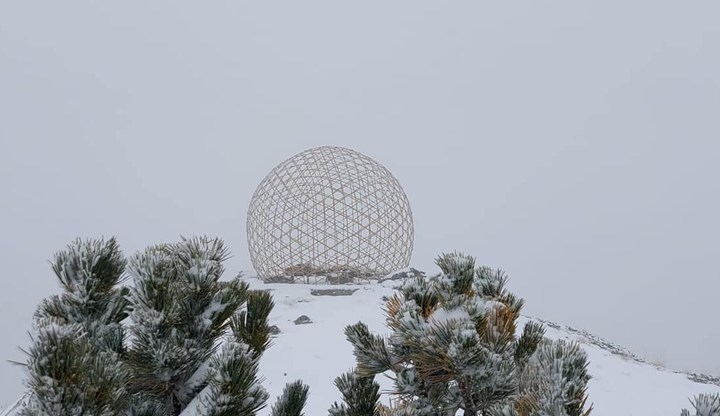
x,y
573,144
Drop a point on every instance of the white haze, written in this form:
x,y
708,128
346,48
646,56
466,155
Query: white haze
x,y
573,144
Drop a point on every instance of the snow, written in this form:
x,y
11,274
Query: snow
x,y
210,312
443,316
318,352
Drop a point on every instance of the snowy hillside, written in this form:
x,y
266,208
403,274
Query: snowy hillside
x,y
317,352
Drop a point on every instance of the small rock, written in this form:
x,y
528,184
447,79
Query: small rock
x,y
303,319
332,292
404,274
279,279
274,330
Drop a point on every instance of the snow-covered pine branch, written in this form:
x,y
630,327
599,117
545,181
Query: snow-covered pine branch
x,y
361,396
292,401
704,405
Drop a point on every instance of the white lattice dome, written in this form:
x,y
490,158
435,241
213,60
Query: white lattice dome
x,y
329,211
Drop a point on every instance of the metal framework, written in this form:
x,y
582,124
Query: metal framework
x,y
329,214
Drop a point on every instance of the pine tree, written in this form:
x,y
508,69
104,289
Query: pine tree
x,y
179,311
194,341
704,405
74,361
453,346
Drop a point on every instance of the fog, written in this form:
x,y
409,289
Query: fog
x,y
573,144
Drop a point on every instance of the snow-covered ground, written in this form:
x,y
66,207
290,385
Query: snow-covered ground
x,y
317,352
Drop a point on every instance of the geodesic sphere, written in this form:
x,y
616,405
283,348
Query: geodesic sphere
x,y
328,210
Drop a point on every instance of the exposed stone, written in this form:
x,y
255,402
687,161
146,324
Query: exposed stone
x,y
405,274
303,319
274,330
624,352
279,279
332,292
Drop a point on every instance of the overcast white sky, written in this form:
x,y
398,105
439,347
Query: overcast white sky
x,y
573,144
